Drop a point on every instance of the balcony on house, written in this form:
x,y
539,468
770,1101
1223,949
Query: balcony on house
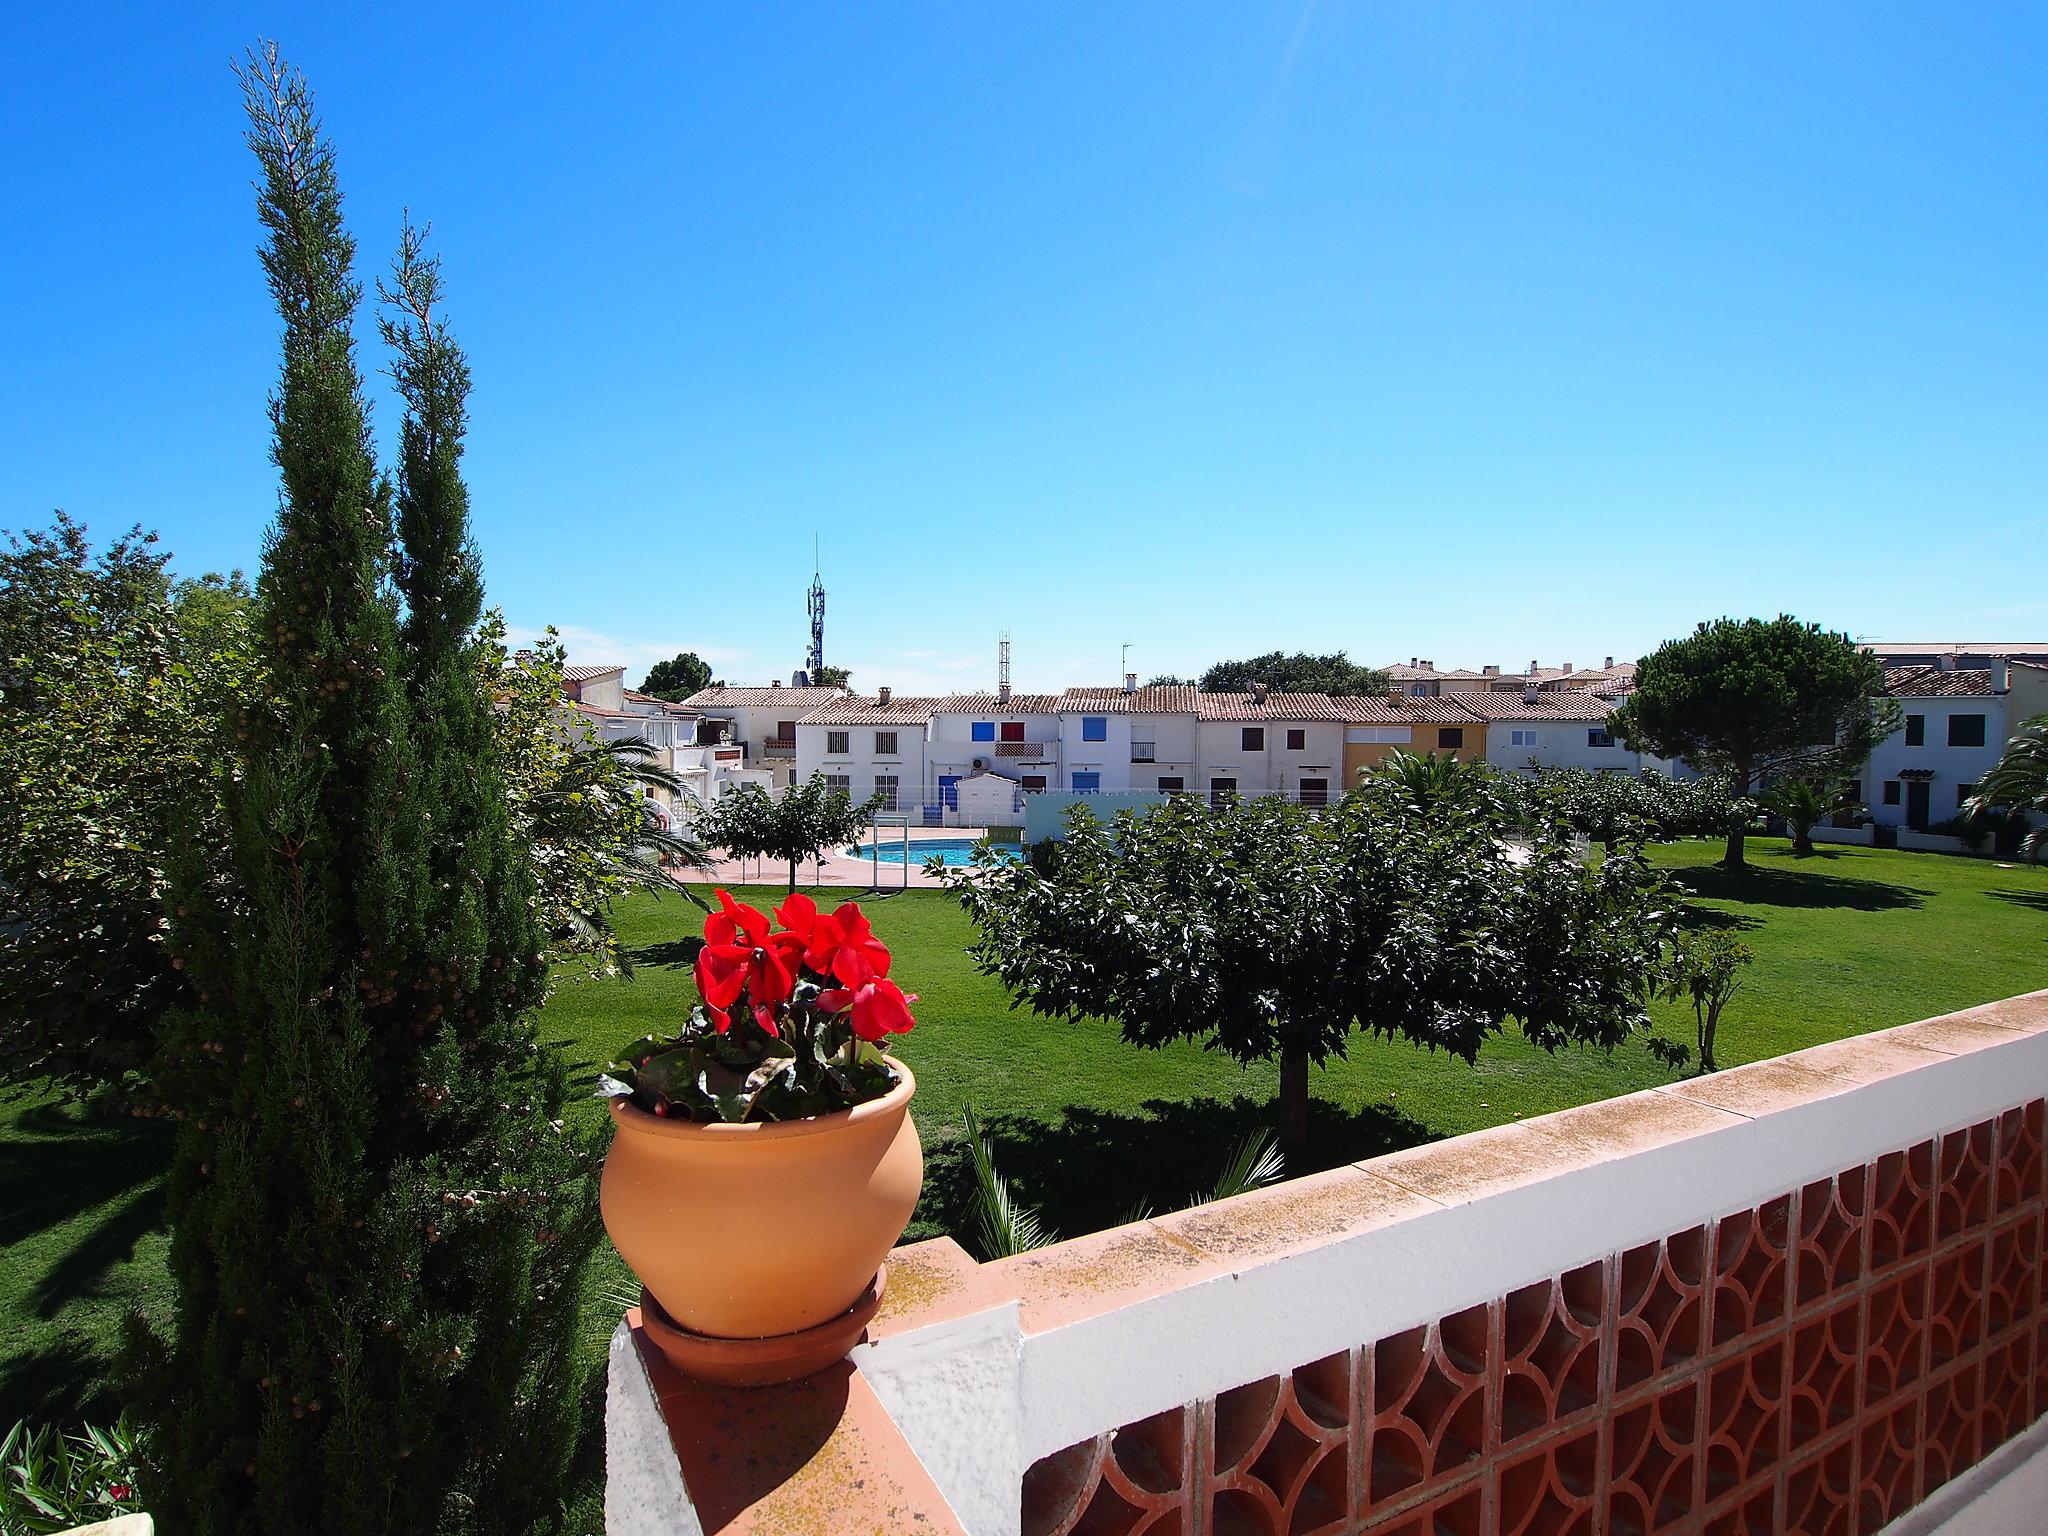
x,y
1794,1297
778,746
1028,751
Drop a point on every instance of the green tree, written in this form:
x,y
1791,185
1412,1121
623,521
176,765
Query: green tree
x,y
1264,929
1429,780
1803,803
794,826
1297,673
677,678
2019,785
379,1225
1758,699
1611,807
832,677
106,724
1706,968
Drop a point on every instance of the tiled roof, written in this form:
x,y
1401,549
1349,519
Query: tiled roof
x,y
1174,700
1277,706
1377,709
859,711
668,706
1934,682
989,704
798,699
585,674
1957,647
1573,705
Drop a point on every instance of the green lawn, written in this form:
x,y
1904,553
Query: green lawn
x,y
1847,941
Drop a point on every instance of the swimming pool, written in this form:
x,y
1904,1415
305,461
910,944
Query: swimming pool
x,y
948,850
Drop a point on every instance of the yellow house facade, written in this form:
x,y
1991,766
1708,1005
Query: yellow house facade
x,y
1376,727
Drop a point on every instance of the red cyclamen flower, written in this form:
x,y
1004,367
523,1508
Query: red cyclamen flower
x,y
740,955
879,1007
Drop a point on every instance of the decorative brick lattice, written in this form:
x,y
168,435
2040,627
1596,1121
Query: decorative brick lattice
x,y
1815,1366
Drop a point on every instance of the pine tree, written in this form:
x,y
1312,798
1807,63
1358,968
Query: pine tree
x,y
378,1221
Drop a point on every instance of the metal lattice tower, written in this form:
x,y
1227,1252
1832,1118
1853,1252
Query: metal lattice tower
x,y
814,605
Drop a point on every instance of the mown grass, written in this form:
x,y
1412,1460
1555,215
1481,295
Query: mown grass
x,y
1847,941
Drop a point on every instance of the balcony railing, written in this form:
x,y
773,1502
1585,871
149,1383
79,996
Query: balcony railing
x,y
1030,751
779,746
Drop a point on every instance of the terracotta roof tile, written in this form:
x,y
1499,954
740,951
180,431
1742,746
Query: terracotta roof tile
x,y
1276,706
1378,709
585,674
859,711
798,699
1172,700
989,704
1573,705
1925,682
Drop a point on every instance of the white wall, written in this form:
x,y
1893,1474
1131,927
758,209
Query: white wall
x,y
1953,767
1563,744
954,751
1275,768
862,764
1111,758
1173,750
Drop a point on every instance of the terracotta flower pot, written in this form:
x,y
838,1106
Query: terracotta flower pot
x,y
753,1231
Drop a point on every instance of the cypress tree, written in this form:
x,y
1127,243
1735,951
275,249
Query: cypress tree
x,y
378,1221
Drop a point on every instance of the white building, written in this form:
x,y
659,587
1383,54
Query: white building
x,y
1956,723
761,721
1548,729
1128,738
1016,736
869,746
1258,743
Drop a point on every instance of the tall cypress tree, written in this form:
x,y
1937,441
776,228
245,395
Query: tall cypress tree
x,y
378,1221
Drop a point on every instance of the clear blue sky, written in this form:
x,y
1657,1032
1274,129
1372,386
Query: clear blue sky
x,y
1479,332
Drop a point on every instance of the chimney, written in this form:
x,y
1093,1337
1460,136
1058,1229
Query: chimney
x,y
1529,693
1003,693
2001,675
1414,661
1130,682
1567,666
1490,671
1532,664
882,695
1428,666
1945,663
774,682
1258,693
1608,665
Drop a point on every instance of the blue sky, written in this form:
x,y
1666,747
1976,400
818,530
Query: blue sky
x,y
1477,332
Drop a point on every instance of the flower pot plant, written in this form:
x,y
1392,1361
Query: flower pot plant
x,y
765,1161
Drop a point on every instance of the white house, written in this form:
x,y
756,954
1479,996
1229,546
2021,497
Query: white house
x,y
869,746
1259,743
761,721
1956,723
1014,735
1541,728
1128,737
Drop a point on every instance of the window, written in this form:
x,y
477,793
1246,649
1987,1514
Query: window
x,y
1599,737
1963,792
1966,730
1418,690
1141,751
1297,741
1172,783
785,730
1252,739
837,743
1451,736
1094,728
1221,790
839,781
1521,738
1013,730
982,730
1315,791
1382,735
1087,783
1034,783
1916,730
1891,792
885,786
885,743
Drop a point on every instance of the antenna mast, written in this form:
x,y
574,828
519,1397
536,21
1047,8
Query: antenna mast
x,y
814,605
1003,667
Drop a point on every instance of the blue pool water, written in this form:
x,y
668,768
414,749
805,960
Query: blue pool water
x,y
948,850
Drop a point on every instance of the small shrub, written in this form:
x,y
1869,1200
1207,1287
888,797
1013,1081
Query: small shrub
x,y
51,1481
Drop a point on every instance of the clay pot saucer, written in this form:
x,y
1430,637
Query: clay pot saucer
x,y
760,1362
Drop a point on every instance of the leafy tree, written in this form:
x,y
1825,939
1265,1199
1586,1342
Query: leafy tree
x,y
1612,807
832,677
1803,803
213,612
1758,699
1706,967
1429,781
379,1225
1171,680
107,720
794,826
677,678
1265,929
1298,673
2019,784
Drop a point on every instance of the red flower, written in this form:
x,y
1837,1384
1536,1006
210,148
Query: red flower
x,y
740,955
879,1007
119,1491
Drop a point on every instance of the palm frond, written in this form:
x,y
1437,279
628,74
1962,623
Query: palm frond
x,y
1003,1225
1254,1163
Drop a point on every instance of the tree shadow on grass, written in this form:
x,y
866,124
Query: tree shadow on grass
x,y
1762,887
1093,1168
2038,900
69,1163
66,1382
664,953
